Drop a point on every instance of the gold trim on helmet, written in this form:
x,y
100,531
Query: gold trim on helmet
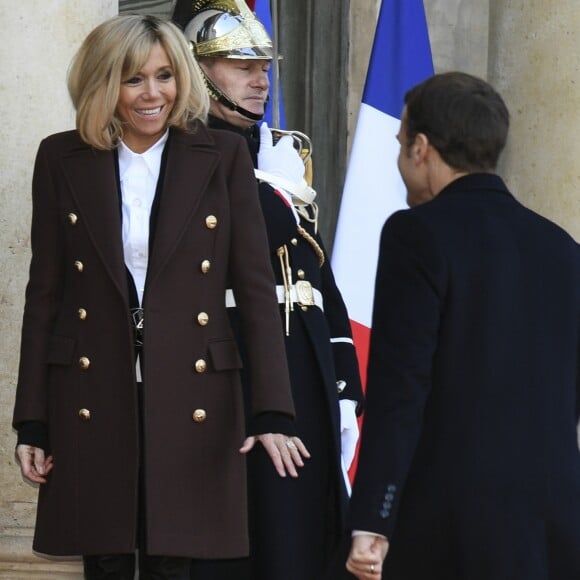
x,y
227,29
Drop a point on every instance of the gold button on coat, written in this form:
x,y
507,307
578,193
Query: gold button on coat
x,y
305,308
84,363
200,365
85,414
199,415
300,274
79,265
72,218
211,221
205,266
294,241
82,314
202,318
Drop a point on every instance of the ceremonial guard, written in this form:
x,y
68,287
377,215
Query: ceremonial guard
x,y
295,524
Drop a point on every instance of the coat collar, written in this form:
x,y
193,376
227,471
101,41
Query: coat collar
x,y
191,161
91,177
251,134
476,182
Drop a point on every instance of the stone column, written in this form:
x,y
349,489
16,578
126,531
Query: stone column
x,y
534,61
38,42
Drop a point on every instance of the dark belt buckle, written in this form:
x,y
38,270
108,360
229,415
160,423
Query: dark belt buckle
x,y
137,319
304,293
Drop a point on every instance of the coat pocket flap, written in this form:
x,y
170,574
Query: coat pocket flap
x,y
224,355
60,350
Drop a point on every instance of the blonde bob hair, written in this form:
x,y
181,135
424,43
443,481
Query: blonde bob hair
x,y
116,50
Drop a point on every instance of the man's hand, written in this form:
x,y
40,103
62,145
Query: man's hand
x,y
33,465
349,431
366,557
285,452
281,159
281,167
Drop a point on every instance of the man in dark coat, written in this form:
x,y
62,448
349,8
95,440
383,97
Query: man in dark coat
x,y
294,525
469,465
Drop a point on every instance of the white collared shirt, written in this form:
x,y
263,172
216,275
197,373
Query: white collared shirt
x,y
139,174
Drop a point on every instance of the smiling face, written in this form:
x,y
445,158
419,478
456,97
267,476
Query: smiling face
x,y
146,100
244,81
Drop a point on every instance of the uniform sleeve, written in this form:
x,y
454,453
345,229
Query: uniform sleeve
x,y
280,225
43,294
405,322
343,349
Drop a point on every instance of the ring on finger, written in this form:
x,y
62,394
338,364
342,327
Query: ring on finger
x,y
372,568
290,444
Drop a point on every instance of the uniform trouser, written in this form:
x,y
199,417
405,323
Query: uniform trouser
x,y
294,523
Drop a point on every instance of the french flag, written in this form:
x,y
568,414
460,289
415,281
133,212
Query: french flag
x,y
262,10
373,190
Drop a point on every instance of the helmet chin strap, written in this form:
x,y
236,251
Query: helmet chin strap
x,y
217,94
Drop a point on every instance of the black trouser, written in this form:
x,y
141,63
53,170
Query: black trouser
x,y
122,567
233,569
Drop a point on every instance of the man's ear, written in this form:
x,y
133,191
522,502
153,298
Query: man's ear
x,y
420,147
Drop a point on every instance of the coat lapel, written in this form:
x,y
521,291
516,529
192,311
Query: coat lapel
x,y
191,161
91,178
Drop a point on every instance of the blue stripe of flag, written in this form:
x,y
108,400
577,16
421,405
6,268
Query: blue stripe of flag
x,y
401,55
262,11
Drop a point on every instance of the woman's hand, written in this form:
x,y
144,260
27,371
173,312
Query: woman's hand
x,y
285,452
33,465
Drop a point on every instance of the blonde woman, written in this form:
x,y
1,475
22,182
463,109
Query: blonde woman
x,y
129,407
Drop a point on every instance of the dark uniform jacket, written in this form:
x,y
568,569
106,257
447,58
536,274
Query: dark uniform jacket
x,y
77,369
326,333
469,460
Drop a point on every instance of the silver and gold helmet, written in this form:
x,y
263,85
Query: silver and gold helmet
x,y
227,29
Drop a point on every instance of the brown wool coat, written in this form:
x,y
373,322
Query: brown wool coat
x,y
194,475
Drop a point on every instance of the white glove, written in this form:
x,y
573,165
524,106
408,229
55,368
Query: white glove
x,y
349,434
345,477
280,160
282,167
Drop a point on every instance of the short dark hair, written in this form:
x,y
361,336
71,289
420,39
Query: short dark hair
x,y
464,118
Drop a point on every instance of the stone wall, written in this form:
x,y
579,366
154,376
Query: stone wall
x,y
534,61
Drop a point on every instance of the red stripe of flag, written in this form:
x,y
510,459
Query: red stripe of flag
x,y
373,190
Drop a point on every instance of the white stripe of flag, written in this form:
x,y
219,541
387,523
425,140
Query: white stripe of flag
x,y
373,190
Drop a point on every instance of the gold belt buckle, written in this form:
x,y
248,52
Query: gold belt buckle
x,y
304,293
